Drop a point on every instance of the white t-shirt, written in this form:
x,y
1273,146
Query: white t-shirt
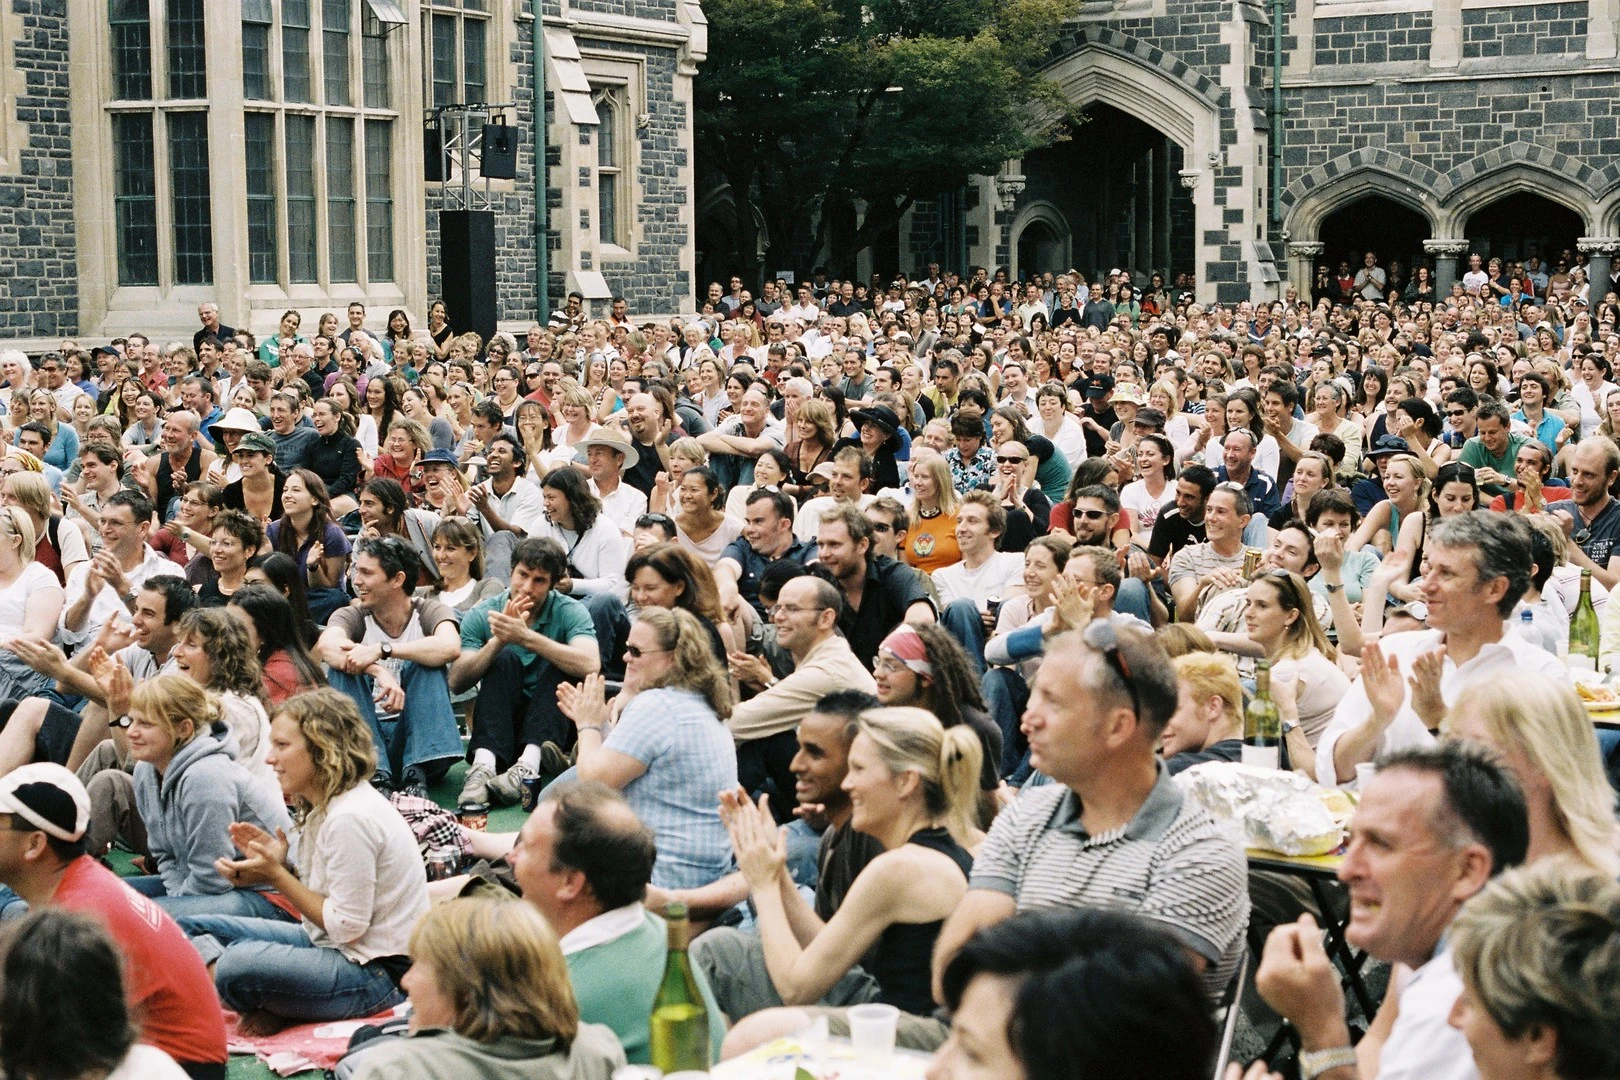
x,y
1002,574
14,597
147,1063
1143,505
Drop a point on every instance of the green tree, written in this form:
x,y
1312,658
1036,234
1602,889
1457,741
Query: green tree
x,y
807,105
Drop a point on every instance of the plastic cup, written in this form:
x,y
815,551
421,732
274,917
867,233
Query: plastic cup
x,y
871,1032
1365,772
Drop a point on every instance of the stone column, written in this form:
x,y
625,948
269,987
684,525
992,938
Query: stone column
x,y
1600,252
1445,254
1302,268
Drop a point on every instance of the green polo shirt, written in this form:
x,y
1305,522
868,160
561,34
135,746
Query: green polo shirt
x,y
561,618
1475,454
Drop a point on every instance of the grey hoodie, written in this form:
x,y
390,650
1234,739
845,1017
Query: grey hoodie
x,y
189,811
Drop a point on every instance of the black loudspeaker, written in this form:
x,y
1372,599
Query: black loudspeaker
x,y
433,155
467,268
499,152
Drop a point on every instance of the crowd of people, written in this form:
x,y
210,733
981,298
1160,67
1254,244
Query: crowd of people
x,y
872,623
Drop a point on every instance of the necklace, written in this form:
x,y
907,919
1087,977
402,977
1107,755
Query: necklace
x,y
929,514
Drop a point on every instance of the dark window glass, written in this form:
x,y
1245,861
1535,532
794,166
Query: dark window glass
x,y
135,199
374,67
473,64
444,60
379,200
188,181
335,36
188,63
301,260
295,79
259,158
340,209
255,61
131,49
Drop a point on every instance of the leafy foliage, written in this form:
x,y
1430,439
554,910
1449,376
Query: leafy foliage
x,y
807,104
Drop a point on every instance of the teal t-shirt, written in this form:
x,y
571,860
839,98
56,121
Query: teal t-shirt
x,y
1475,454
561,618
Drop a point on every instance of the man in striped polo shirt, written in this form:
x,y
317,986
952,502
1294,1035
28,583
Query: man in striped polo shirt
x,y
1113,830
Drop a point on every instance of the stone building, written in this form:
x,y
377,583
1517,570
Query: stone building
x,y
1420,129
269,154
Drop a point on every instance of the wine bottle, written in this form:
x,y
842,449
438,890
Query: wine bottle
x,y
1262,727
679,1027
1584,644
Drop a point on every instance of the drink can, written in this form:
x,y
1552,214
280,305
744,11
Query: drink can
x,y
992,606
475,819
531,793
1251,561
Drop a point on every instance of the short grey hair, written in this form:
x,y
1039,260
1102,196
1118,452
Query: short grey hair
x,y
1501,545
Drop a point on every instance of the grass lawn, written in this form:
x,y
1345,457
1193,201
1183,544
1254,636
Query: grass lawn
x,y
246,1067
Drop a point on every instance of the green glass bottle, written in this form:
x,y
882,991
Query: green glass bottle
x,y
679,1028
1262,727
1584,645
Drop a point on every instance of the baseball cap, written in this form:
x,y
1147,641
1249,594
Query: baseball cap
x,y
1388,444
440,457
48,797
257,442
1150,417
1098,385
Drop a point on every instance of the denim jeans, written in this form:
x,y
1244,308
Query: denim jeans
x,y
424,733
966,624
612,628
1006,696
248,903
264,964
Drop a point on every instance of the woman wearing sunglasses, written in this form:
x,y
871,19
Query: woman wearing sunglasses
x,y
662,741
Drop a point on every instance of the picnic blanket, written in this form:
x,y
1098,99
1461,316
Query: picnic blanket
x,y
303,1046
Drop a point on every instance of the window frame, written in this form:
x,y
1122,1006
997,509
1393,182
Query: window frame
x,y
461,11
624,73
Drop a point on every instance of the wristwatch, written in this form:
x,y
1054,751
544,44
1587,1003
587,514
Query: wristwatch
x,y
1313,1063
1332,589
387,651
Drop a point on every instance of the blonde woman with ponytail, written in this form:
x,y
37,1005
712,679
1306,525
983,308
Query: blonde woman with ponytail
x,y
31,601
189,789
913,787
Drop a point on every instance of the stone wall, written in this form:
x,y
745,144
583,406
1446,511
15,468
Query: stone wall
x,y
653,279
40,295
1538,30
1445,124
1390,38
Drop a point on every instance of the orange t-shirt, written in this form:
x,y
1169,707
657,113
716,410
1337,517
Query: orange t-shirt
x,y
931,543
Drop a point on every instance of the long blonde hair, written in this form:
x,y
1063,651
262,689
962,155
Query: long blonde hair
x,y
939,471
946,760
1543,719
693,666
499,964
15,520
1305,633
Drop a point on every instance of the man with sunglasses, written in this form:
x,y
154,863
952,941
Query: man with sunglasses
x,y
1112,829
1590,516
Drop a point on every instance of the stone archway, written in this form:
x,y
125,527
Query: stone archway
x,y
1107,66
1041,232
1337,184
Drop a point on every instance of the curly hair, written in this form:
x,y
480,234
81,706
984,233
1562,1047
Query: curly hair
x,y
340,744
233,665
954,684
693,664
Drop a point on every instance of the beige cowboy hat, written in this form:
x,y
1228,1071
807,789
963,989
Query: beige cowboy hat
x,y
612,439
